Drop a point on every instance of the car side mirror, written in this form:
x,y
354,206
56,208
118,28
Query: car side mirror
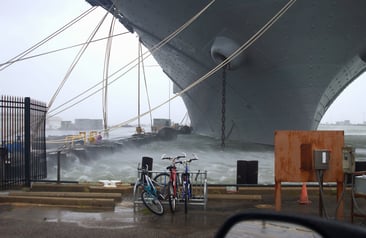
x,y
275,224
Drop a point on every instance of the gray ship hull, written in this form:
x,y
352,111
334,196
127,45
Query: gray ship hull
x,y
286,80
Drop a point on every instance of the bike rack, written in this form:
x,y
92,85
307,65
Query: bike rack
x,y
198,187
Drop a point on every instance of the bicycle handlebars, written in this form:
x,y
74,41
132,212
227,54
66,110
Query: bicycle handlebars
x,y
188,160
163,157
173,159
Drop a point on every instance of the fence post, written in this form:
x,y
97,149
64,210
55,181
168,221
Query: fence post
x,y
58,166
27,141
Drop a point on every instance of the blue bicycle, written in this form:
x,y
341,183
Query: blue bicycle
x,y
150,195
186,182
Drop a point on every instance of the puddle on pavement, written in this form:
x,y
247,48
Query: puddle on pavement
x,y
121,218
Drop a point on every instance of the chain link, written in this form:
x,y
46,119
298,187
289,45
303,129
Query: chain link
x,y
223,107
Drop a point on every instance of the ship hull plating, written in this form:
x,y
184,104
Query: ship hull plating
x,y
286,80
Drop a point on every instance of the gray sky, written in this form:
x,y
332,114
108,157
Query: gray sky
x,y
26,23
350,105
29,22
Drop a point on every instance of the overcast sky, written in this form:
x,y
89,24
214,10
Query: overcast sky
x,y
26,23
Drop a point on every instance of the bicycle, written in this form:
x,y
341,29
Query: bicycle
x,y
150,195
173,181
186,184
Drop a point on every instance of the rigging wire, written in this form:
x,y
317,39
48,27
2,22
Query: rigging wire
x,y
145,82
138,86
147,53
169,100
222,64
146,89
141,66
64,48
240,50
105,75
29,50
76,60
184,119
74,104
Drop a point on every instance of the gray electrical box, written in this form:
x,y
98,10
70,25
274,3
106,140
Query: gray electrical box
x,y
348,159
321,159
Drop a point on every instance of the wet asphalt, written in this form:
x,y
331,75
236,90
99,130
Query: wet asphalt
x,y
124,221
34,221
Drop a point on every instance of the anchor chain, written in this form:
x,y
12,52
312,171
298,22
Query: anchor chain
x,y
223,107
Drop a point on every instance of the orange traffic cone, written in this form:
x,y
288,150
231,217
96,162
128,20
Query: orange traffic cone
x,y
304,195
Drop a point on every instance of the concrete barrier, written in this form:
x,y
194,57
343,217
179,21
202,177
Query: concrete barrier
x,y
88,203
115,196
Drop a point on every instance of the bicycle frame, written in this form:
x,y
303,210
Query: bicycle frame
x,y
150,195
186,183
148,186
173,181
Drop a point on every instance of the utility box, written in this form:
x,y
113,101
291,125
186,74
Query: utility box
x,y
321,159
294,159
247,172
294,155
349,164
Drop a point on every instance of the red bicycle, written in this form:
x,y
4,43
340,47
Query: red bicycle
x,y
173,181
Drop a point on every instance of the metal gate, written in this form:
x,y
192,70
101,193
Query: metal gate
x,y
22,141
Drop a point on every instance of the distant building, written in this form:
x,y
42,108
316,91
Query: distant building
x,y
67,125
82,124
88,124
53,123
343,123
160,123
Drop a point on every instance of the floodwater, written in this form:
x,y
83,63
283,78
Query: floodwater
x,y
220,164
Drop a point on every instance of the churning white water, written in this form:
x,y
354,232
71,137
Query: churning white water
x,y
220,164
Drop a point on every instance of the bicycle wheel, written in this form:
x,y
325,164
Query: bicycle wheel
x,y
137,190
172,198
152,203
186,197
161,184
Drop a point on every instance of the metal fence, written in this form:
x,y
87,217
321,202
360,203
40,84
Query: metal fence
x,y
22,141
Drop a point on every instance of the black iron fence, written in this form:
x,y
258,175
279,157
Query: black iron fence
x,y
22,141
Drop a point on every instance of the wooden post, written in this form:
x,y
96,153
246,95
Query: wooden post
x,y
278,196
340,211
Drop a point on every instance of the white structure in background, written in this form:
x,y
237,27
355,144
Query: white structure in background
x,y
53,123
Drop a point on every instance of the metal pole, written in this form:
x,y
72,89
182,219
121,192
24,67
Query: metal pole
x,y
27,141
138,85
223,107
58,166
